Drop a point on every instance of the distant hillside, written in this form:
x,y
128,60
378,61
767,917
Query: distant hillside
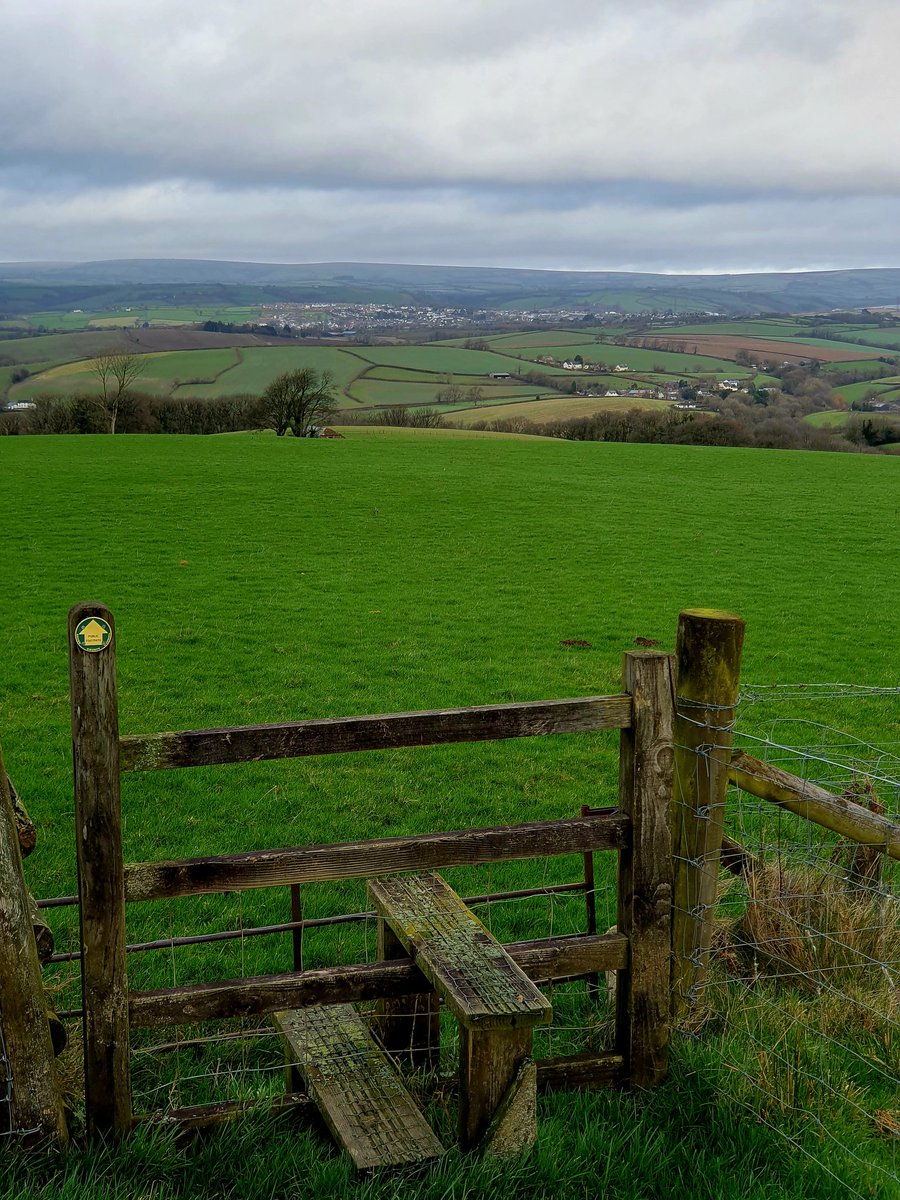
x,y
33,287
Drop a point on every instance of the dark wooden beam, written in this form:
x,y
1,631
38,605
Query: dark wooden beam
x,y
369,859
579,1071
541,960
339,735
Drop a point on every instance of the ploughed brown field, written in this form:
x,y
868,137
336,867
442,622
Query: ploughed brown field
x,y
725,346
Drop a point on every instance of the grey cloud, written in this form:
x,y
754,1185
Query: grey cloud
x,y
454,226
454,132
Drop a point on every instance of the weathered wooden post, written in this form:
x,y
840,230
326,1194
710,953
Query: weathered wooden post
x,y
645,870
708,660
31,1083
101,890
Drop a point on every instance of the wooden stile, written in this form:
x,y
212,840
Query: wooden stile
x,y
384,731
98,842
708,654
495,1003
645,870
35,1097
477,979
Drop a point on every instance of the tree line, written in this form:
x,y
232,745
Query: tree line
x,y
295,402
735,424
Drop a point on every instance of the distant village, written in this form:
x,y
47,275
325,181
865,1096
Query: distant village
x,y
349,321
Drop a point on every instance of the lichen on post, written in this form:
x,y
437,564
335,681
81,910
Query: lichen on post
x,y
708,660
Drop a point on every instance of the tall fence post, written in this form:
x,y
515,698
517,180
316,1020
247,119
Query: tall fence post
x,y
645,870
35,1099
708,659
101,889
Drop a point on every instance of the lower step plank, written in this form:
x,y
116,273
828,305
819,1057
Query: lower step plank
x,y
355,1087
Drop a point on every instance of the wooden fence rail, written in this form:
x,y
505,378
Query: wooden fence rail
x,y
807,800
387,731
541,960
369,859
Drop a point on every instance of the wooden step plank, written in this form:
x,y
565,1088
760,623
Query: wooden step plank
x,y
471,971
355,1087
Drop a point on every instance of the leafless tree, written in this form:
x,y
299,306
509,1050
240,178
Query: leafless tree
x,y
115,373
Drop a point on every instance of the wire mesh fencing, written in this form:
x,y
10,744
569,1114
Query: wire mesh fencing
x,y
797,982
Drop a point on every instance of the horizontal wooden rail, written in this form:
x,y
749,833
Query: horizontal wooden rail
x,y
580,1072
541,960
368,859
340,735
836,813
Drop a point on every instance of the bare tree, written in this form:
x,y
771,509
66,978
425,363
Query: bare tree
x,y
296,400
115,373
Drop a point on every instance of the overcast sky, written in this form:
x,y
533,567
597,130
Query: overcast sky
x,y
599,134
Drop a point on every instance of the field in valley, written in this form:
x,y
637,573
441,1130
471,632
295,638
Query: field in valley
x,y
184,362
260,579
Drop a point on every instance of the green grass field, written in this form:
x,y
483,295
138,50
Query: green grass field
x,y
553,409
138,314
641,360
259,579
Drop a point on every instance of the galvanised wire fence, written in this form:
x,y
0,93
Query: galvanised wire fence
x,y
801,991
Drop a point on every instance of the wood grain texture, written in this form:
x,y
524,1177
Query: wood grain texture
x,y
98,844
541,960
708,654
491,1062
807,800
36,1099
475,977
579,1072
643,1000
513,1127
369,859
384,731
24,824
356,1089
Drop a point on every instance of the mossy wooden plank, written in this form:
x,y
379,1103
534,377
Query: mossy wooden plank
x,y
340,735
355,1087
471,971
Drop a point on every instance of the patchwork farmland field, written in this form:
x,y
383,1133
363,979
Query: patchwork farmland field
x,y
554,409
726,347
136,315
185,362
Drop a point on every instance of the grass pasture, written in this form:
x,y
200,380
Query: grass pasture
x,y
553,408
229,370
138,314
638,359
259,579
